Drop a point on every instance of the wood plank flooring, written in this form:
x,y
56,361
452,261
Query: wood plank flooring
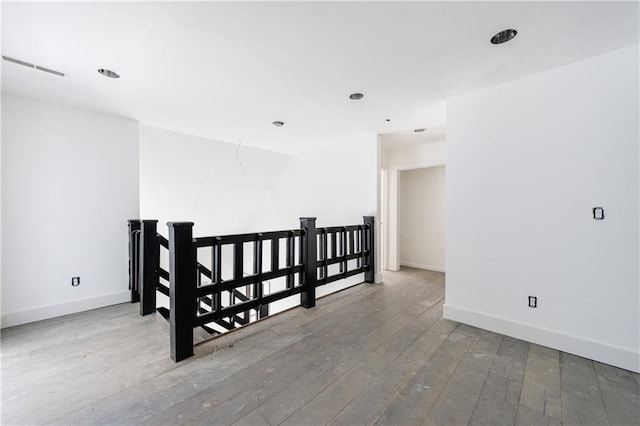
x,y
372,354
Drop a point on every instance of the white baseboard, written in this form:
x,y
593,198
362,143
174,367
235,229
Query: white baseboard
x,y
612,355
378,278
51,311
427,267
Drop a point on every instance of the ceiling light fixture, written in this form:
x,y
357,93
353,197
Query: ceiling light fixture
x,y
278,123
420,130
504,36
108,73
356,96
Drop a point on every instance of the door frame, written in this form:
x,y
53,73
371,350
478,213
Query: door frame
x,y
392,226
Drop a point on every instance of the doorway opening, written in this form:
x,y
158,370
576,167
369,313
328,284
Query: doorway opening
x,y
422,218
412,200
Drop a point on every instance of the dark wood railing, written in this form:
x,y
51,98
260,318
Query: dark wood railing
x,y
200,297
144,264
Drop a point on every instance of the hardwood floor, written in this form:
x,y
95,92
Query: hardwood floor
x,y
373,354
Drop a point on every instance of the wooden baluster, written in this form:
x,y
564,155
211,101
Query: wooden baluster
x,y
149,266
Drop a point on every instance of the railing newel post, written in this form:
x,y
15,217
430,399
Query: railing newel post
x,y
134,259
149,266
369,237
183,273
310,261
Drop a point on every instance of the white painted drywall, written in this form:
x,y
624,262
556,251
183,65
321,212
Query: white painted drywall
x,y
336,184
188,178
415,156
69,184
422,218
527,161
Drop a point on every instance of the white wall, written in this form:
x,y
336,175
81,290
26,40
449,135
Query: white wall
x,y
423,218
527,161
415,156
188,178
336,184
69,184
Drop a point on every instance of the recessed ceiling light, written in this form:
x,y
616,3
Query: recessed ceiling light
x,y
108,73
356,96
420,130
278,123
504,36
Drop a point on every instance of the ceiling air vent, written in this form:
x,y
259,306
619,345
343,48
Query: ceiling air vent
x,y
34,66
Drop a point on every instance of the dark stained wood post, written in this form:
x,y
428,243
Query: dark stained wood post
x,y
134,258
263,310
310,261
369,238
149,266
183,276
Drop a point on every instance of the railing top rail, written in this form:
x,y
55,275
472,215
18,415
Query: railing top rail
x,y
246,238
334,229
142,220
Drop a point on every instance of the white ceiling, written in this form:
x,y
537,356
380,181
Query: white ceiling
x,y
227,70
408,138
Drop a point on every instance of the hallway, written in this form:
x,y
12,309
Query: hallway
x,y
378,353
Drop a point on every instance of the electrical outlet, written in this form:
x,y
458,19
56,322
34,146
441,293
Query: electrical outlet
x,y
75,281
533,302
598,213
